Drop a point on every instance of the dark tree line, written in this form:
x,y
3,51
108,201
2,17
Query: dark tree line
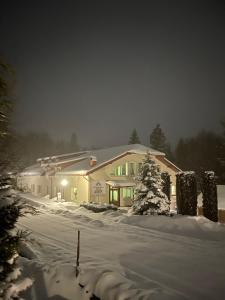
x,y
30,146
202,152
157,140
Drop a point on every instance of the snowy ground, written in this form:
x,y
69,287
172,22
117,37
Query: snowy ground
x,y
122,257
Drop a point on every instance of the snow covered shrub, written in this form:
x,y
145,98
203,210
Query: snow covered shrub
x,y
96,207
149,198
166,183
209,194
11,208
186,193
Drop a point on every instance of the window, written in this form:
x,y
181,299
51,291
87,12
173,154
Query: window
x,y
128,192
127,169
121,170
131,169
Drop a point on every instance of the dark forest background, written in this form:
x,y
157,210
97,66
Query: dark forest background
x,y
204,151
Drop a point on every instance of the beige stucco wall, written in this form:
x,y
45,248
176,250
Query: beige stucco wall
x,y
51,185
105,173
79,188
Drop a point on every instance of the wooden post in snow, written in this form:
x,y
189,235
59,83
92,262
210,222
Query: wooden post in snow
x,y
78,253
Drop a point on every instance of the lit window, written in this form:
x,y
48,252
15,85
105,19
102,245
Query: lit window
x,y
128,192
121,170
131,169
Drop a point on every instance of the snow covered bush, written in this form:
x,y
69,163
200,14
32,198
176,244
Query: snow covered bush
x,y
11,208
186,185
209,194
96,207
149,198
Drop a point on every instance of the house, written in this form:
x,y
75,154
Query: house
x,y
102,176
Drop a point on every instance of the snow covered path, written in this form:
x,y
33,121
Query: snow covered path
x,y
168,265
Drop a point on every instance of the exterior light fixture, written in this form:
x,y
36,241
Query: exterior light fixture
x,y
64,182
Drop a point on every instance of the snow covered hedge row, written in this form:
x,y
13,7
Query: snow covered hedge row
x,y
186,185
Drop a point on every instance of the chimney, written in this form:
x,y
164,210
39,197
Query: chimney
x,y
93,161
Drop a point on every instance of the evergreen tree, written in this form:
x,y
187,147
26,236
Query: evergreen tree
x,y
166,184
186,185
11,207
180,153
6,105
158,139
73,145
201,152
134,139
149,198
209,194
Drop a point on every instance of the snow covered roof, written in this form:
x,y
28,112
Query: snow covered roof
x,y
33,170
105,156
79,163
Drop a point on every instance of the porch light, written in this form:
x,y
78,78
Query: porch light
x,y
64,182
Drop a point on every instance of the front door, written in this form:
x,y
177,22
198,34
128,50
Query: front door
x,y
114,196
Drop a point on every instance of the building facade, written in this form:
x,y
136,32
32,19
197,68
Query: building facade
x,y
100,176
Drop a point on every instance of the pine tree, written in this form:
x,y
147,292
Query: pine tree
x,y
158,139
11,207
149,198
134,139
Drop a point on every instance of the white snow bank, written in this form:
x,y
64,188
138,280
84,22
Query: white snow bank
x,y
123,257
198,227
109,285
25,250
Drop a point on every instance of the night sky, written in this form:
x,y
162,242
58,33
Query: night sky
x,y
102,68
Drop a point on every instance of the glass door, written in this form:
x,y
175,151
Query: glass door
x,y
114,196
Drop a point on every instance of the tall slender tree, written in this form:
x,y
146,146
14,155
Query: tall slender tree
x,y
158,139
159,142
134,138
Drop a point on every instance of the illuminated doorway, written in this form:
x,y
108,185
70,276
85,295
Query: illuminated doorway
x,y
114,196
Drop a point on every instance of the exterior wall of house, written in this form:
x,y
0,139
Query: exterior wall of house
x,y
75,190
79,188
105,174
35,184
